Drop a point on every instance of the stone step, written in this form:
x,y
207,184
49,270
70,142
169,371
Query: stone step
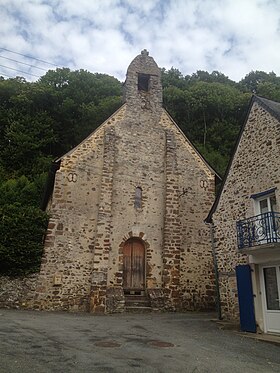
x,y
133,303
135,292
137,301
132,296
138,309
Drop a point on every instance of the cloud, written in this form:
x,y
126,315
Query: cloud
x,y
233,37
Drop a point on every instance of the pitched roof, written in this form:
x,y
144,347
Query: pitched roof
x,y
56,163
270,106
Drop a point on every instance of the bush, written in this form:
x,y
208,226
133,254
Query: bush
x,y
22,229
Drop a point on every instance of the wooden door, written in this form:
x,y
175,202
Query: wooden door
x,y
134,265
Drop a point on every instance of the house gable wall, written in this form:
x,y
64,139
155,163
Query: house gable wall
x,y
254,169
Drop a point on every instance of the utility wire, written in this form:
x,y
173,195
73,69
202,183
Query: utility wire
x,y
23,63
20,71
24,55
8,76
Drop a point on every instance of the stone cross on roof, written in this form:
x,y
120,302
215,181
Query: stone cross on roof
x,y
144,52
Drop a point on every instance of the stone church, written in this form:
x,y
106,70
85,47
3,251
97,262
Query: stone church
x,y
127,209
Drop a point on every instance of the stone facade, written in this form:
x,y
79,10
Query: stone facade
x,y
17,292
94,214
254,168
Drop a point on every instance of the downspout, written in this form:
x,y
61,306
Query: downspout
x,y
216,272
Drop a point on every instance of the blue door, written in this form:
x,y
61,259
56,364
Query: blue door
x,y
245,298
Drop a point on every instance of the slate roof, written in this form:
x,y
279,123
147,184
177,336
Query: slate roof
x,y
270,106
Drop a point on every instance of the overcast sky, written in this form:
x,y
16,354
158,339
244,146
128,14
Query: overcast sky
x,y
231,36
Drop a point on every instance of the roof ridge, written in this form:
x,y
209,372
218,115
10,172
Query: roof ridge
x,y
273,107
269,106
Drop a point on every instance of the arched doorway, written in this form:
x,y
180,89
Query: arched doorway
x,y
133,265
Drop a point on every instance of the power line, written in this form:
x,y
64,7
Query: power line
x,y
23,63
8,76
20,71
24,55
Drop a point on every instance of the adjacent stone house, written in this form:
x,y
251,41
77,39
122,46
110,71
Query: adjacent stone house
x,y
127,209
245,221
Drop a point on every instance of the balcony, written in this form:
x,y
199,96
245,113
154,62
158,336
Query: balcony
x,y
263,229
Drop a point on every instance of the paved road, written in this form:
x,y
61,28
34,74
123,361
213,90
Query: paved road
x,y
149,343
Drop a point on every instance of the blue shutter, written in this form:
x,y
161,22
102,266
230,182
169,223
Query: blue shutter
x,y
245,299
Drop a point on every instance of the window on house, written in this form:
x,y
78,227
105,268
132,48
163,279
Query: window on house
x,y
266,225
265,204
138,198
143,82
264,201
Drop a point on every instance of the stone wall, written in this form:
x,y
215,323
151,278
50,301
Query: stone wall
x,y
190,187
66,275
17,292
93,212
254,169
196,195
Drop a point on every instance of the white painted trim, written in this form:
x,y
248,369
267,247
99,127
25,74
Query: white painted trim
x,y
263,298
263,293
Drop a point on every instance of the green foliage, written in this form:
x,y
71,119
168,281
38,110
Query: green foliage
x,y
214,77
45,119
26,137
254,79
269,90
214,157
74,94
22,225
210,109
22,191
21,245
172,77
38,122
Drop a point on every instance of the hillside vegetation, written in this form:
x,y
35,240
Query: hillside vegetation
x,y
41,121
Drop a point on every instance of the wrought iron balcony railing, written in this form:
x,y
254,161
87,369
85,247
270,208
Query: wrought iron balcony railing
x,y
258,230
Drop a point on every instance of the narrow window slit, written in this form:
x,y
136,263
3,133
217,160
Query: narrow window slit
x,y
138,198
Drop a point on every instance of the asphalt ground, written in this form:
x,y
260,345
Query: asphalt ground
x,y
33,341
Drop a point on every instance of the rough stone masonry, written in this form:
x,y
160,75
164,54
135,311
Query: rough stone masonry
x,y
128,203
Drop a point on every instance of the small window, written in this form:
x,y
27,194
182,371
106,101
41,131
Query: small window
x,y
266,204
143,82
138,198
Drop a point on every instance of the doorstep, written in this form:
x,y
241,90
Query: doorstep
x,y
264,337
269,338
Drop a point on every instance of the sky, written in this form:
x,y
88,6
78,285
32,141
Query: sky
x,y
103,36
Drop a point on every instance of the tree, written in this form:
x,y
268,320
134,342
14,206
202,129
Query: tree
x,y
214,77
76,93
270,90
210,113
21,239
252,80
172,77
